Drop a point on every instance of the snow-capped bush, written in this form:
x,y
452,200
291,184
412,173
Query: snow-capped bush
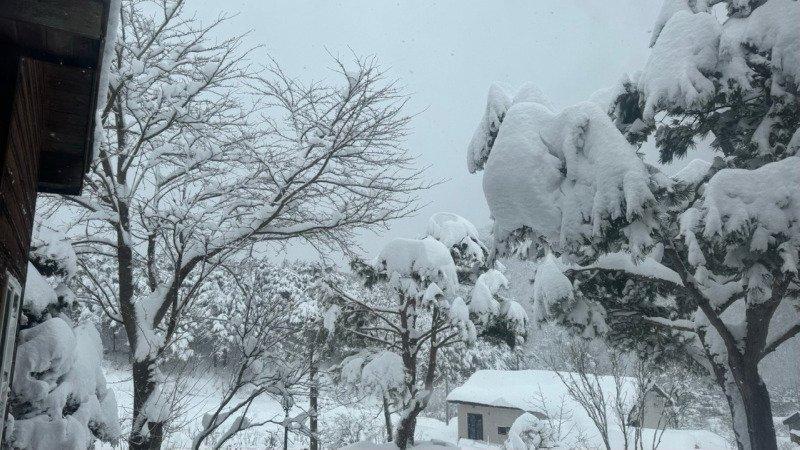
x,y
52,252
529,433
59,397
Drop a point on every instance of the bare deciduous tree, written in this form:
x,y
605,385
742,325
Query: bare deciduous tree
x,y
584,386
256,328
200,158
614,393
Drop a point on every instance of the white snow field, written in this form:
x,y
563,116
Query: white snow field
x,y
430,434
205,393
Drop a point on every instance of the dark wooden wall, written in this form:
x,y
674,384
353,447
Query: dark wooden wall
x,y
19,173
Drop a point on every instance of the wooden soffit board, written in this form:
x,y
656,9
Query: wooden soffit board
x,y
81,17
67,127
65,38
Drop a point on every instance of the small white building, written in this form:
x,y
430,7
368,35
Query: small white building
x,y
490,401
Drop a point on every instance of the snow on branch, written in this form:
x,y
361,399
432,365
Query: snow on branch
x,y
566,177
647,267
453,230
427,258
749,206
780,337
686,48
480,146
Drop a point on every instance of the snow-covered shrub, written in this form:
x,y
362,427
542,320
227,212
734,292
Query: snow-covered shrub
x,y
701,266
529,433
354,425
59,397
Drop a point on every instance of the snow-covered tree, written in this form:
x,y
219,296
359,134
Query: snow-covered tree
x,y
421,317
423,314
250,318
59,397
315,339
201,155
703,264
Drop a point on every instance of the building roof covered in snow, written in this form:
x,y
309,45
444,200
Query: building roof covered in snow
x,y
527,390
542,392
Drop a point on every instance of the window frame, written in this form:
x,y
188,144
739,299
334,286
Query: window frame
x,y
10,305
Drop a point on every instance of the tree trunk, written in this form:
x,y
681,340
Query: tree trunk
x,y
387,419
143,387
313,404
286,436
406,428
754,405
143,383
446,404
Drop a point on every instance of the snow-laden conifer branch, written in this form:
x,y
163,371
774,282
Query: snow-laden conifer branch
x,y
726,232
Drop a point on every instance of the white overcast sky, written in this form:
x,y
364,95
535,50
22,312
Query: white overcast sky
x,y
448,53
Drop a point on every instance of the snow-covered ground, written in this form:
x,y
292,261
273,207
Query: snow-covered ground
x,y
204,390
203,393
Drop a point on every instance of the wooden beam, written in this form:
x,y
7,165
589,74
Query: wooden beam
x,y
82,17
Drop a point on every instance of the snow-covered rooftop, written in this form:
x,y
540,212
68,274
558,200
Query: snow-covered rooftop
x,y
528,390
543,391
